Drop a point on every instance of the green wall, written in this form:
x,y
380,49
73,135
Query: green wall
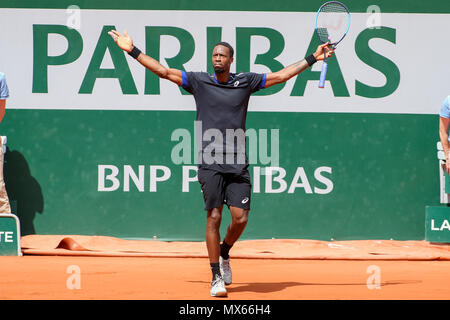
x,y
408,6
384,173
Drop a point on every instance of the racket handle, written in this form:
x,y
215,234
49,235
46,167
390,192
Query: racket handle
x,y
323,75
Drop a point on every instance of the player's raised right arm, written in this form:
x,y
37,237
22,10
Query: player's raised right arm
x,y
292,70
126,43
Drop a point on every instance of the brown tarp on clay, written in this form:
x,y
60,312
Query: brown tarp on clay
x,y
78,245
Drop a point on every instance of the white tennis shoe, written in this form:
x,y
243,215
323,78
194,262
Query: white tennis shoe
x,y
218,287
225,270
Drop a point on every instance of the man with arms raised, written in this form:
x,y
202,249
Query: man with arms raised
x,y
221,100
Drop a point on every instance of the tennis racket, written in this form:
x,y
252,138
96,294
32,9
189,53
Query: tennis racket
x,y
331,25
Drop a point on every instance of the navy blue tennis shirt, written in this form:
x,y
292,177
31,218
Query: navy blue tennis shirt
x,y
222,112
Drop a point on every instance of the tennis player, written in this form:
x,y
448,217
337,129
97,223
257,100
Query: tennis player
x,y
222,100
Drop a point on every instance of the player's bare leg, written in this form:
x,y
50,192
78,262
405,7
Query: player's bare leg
x,y
213,219
239,218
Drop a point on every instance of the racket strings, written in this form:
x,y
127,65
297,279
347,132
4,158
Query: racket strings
x,y
333,7
332,22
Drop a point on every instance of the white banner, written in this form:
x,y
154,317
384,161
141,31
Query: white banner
x,y
418,52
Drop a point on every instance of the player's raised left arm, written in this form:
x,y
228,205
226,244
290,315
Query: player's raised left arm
x,y
294,69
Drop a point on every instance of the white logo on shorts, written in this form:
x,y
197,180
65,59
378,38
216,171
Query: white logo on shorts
x,y
236,83
245,200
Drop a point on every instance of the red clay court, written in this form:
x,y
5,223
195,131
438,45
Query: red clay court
x,y
116,269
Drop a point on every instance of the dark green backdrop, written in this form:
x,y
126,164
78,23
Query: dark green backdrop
x,y
384,173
